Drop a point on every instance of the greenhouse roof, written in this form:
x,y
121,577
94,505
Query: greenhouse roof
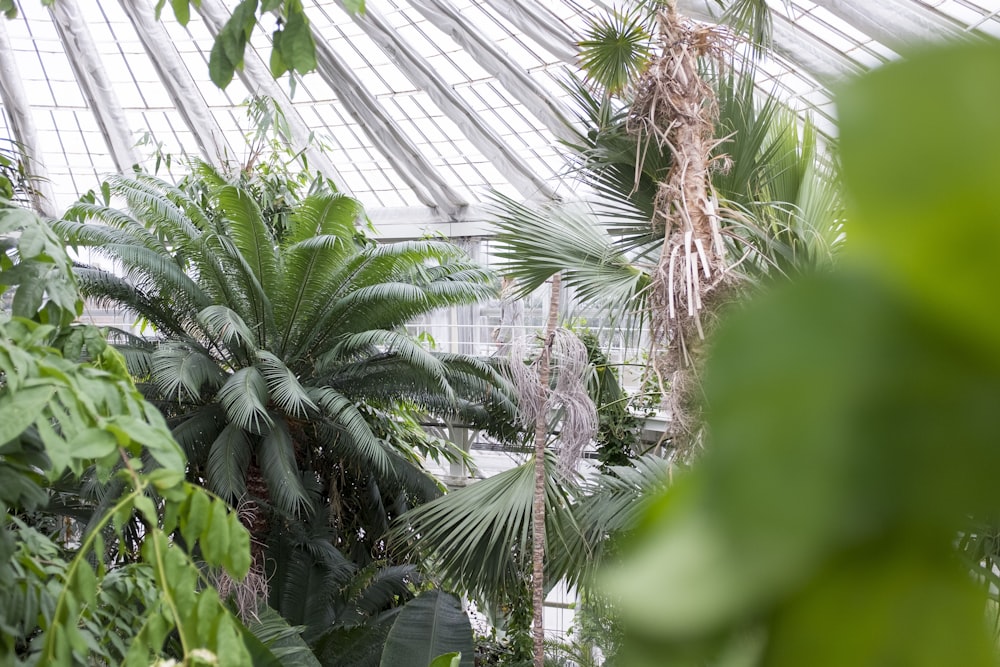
x,y
418,107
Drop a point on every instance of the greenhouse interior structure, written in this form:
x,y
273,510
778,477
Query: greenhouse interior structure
x,y
426,333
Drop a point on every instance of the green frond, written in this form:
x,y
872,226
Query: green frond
x,y
114,226
310,267
343,415
157,273
195,431
612,503
276,455
477,539
244,398
616,49
331,214
225,325
248,232
283,386
283,642
535,245
751,18
227,462
183,372
235,279
224,278
138,359
380,590
380,341
108,290
381,305
147,201
181,199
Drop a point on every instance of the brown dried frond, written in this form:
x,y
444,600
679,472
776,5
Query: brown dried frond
x,y
579,415
246,594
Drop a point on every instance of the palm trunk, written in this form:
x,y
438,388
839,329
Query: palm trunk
x,y
538,503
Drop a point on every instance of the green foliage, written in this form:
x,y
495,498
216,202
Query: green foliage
x,y
428,626
283,363
63,604
616,49
620,416
477,539
293,48
852,419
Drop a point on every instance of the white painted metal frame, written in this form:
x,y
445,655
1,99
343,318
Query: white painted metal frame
x,y
388,138
546,108
71,26
22,123
256,76
422,74
178,82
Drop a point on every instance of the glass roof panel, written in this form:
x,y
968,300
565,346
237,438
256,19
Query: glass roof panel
x,y
444,140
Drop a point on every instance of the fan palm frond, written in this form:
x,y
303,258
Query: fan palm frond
x,y
616,48
477,539
535,245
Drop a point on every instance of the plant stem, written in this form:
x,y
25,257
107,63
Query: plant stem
x,y
538,503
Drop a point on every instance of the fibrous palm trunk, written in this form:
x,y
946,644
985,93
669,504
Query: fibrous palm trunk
x,y
676,108
538,504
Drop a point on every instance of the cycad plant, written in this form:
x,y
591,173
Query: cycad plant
x,y
282,363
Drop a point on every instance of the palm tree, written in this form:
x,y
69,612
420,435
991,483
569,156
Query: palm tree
x,y
777,209
282,363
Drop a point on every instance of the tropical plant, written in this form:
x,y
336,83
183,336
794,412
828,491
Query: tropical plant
x,y
853,449
676,224
282,365
69,406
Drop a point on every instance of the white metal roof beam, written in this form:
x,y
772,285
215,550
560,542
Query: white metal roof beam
x,y
15,103
178,81
388,138
422,74
98,90
257,79
540,25
898,24
817,58
552,113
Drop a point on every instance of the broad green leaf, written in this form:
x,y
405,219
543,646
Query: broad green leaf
x,y
20,409
237,557
220,68
215,535
93,443
194,516
145,506
182,10
921,145
430,625
277,62
298,49
447,660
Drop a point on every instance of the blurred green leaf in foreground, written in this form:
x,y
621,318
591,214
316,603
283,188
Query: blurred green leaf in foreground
x,y
854,416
